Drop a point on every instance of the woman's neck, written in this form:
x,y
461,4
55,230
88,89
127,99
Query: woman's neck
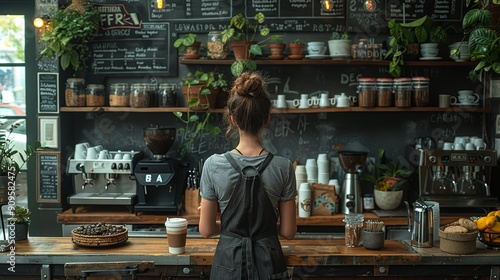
x,y
250,145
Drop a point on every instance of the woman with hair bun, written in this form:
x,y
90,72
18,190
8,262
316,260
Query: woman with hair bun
x,y
250,204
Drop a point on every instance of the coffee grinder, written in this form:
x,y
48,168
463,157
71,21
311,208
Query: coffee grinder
x,y
351,162
160,181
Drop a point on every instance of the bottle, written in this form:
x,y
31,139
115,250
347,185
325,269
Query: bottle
x,y
368,203
304,200
75,92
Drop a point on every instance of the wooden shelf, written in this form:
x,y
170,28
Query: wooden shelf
x,y
433,63
276,111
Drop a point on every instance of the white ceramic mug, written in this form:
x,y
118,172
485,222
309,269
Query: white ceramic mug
x,y
313,101
104,154
126,156
281,101
304,101
324,101
81,150
467,97
92,153
447,146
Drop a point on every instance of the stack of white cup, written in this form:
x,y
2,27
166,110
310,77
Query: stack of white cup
x,y
300,175
312,170
335,183
323,169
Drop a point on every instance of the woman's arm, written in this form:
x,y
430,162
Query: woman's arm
x,y
288,219
209,226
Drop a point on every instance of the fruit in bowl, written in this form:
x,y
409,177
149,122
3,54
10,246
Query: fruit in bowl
x,y
489,228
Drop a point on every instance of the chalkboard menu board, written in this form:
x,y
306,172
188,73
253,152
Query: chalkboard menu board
x,y
48,92
48,189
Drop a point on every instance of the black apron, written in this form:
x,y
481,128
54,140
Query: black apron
x,y
249,247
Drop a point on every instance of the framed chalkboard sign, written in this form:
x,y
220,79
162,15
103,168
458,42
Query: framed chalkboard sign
x,y
48,92
48,185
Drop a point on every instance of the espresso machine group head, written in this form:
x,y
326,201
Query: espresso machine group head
x,y
457,178
161,181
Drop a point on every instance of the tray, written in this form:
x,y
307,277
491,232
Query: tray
x,y
99,240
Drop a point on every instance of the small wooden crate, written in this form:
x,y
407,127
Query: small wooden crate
x,y
99,240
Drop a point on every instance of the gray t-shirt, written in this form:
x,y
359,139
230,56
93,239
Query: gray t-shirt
x,y
219,178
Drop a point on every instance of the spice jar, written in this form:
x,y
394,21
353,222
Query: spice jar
x,y
94,95
216,49
167,96
353,229
362,49
119,95
139,95
367,92
75,92
368,203
384,92
420,97
402,92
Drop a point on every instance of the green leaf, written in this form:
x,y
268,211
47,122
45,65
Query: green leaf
x,y
194,118
65,60
237,68
189,40
193,102
255,49
178,114
251,64
476,16
260,18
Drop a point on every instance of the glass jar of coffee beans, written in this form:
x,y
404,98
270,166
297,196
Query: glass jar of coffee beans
x,y
75,92
119,95
139,95
94,95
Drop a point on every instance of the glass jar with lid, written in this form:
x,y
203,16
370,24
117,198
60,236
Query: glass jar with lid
x,y
402,92
216,49
367,92
153,95
167,95
139,95
384,92
362,49
353,229
75,92
420,96
94,95
119,95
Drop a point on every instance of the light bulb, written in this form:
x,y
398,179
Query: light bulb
x,y
160,4
326,5
370,5
38,22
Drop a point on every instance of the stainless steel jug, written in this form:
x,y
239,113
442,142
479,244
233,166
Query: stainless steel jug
x,y
422,228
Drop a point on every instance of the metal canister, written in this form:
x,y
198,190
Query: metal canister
x,y
75,92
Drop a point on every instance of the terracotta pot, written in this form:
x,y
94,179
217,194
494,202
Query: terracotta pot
x,y
206,100
276,48
388,200
296,48
241,50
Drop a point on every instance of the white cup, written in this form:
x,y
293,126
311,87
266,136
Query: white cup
x,y
469,147
313,101
324,101
479,144
118,156
99,148
104,154
92,153
126,156
336,184
322,157
291,103
304,200
176,235
281,101
81,150
304,101
316,48
467,97
447,146
459,147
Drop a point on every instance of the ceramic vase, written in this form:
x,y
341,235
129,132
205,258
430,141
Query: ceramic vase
x,y
388,200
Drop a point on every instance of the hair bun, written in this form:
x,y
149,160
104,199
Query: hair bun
x,y
250,85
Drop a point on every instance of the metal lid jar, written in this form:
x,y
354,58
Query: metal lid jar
x,y
402,92
167,95
94,95
139,95
384,92
420,96
216,49
367,92
75,92
119,95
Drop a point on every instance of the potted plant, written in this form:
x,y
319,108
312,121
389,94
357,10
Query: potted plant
x,y
20,218
390,176
405,40
339,45
67,36
296,49
276,46
12,160
430,49
200,90
242,34
482,32
189,44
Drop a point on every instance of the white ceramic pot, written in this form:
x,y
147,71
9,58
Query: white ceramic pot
x,y
340,48
388,200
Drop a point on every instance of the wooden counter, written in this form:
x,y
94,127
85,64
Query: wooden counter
x,y
306,257
88,215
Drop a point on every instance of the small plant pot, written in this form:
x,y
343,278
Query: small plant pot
x,y
21,231
241,50
206,100
388,200
192,51
373,240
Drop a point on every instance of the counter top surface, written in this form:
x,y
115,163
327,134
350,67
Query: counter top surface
x,y
320,252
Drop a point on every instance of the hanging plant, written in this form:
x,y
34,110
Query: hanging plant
x,y
67,36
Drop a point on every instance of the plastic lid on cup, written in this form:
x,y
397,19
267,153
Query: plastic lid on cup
x,y
176,222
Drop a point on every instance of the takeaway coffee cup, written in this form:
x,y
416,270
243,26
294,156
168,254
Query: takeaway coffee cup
x,y
176,235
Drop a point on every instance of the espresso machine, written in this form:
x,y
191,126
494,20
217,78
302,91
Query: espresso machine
x,y
104,182
161,181
457,178
351,162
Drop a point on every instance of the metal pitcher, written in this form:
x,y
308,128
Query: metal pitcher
x,y
421,232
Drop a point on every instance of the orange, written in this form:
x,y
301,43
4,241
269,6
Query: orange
x,y
491,220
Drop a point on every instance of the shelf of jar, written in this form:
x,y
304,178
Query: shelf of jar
x,y
265,61
277,111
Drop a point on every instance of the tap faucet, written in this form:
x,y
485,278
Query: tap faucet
x,y
88,179
111,178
